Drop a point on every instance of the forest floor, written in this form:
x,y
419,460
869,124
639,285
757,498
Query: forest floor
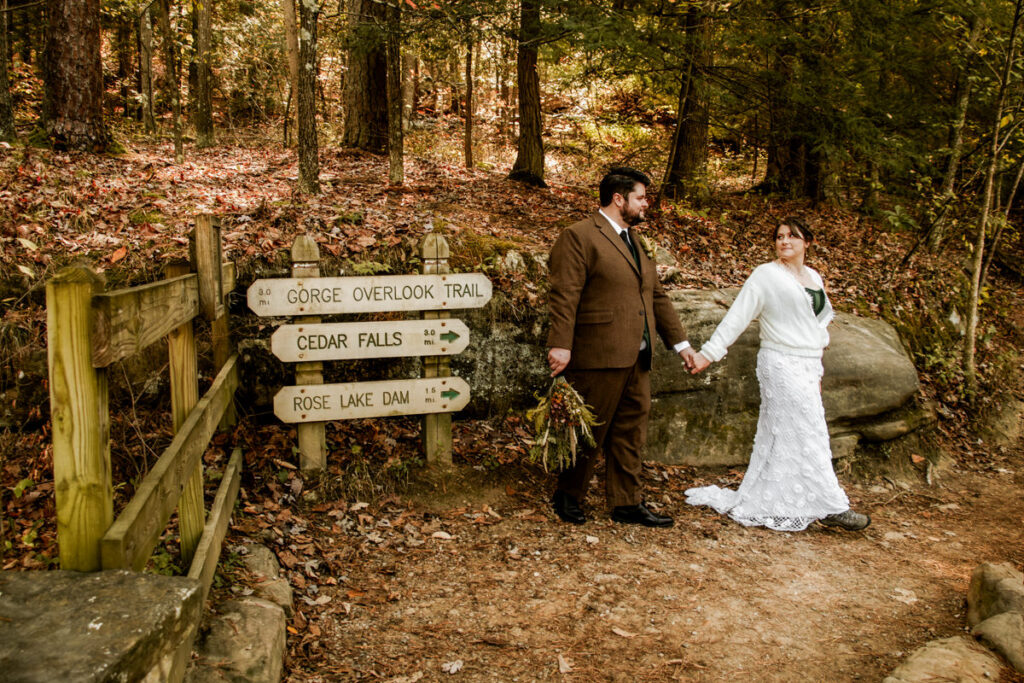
x,y
471,571
467,573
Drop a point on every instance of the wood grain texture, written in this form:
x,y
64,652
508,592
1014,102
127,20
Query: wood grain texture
x,y
129,320
80,418
204,563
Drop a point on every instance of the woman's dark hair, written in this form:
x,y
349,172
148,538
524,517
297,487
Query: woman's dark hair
x,y
620,180
797,227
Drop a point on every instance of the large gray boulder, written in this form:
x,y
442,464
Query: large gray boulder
x,y
103,626
710,419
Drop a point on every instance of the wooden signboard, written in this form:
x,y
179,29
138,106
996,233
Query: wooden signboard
x,y
323,402
368,294
375,339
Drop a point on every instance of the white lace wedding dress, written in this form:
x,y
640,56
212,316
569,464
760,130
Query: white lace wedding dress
x,y
790,482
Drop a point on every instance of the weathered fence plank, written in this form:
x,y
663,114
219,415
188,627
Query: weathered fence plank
x,y
136,531
204,563
206,251
80,418
129,320
183,365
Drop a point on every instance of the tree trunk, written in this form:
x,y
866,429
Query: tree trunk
x,y
686,175
410,87
468,138
956,136
74,77
146,70
123,44
172,77
309,151
1002,224
7,131
504,92
977,260
366,102
396,152
455,78
291,42
204,75
529,165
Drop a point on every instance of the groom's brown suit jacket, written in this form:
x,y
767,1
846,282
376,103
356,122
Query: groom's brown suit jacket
x,y
599,299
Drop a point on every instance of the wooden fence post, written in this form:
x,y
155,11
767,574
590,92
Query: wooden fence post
x,y
312,435
184,372
437,427
80,418
207,258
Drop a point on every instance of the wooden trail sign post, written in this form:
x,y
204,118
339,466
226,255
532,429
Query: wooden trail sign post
x,y
308,342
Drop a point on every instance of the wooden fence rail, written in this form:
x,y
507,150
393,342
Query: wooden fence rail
x,y
88,330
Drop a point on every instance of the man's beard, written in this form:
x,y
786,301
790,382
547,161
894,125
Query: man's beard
x,y
632,218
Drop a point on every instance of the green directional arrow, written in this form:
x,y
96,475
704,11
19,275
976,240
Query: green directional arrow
x,y
449,394
449,336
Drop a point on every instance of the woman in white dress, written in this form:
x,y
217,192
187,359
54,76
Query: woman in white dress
x,y
790,482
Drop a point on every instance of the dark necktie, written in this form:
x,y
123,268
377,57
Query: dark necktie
x,y
629,245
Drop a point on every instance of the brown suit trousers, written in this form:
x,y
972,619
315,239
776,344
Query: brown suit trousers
x,y
600,303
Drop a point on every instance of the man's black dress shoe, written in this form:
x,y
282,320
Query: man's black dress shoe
x,y
639,514
568,508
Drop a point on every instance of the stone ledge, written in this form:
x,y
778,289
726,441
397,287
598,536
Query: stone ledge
x,y
244,639
101,626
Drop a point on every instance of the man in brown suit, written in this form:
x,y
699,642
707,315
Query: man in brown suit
x,y
605,302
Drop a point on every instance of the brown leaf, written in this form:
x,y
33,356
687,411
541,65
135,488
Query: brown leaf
x,y
119,254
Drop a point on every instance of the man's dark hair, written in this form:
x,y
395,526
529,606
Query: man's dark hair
x,y
620,180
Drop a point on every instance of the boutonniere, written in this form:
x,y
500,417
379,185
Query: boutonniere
x,y
645,245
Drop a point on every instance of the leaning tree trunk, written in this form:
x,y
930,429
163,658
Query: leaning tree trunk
x,y
686,176
396,151
309,150
366,102
977,260
468,137
204,75
146,69
291,42
956,138
73,109
172,77
7,132
1004,220
529,165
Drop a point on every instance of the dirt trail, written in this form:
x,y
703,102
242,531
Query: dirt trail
x,y
513,595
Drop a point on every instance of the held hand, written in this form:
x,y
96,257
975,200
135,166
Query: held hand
x,y
687,355
699,363
558,359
